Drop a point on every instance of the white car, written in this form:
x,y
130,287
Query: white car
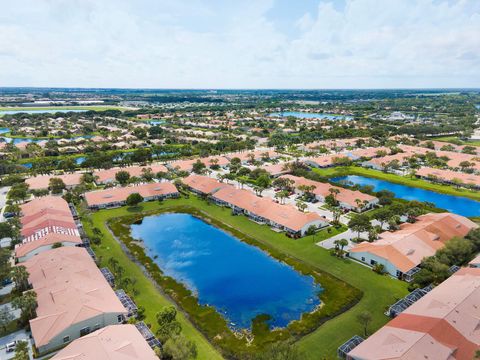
x,y
11,346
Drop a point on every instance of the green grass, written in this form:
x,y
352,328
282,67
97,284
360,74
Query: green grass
x,y
378,291
455,139
414,182
151,299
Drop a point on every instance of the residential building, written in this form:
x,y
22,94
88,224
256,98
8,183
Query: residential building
x,y
42,182
402,250
449,177
266,211
324,161
203,185
442,325
116,342
108,175
73,297
46,222
347,199
115,197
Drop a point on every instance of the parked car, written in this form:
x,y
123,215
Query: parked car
x,y
7,215
10,347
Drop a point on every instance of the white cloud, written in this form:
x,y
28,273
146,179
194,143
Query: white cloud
x,y
223,44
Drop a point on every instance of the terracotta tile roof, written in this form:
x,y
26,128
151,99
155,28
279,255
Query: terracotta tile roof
x,y
449,175
119,194
284,215
70,289
405,248
49,239
203,184
258,154
43,203
115,342
42,181
325,160
187,165
444,324
108,175
44,213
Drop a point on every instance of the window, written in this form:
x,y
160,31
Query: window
x,y
84,331
120,318
363,258
66,339
96,327
372,262
399,274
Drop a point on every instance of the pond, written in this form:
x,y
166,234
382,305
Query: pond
x,y
239,280
305,115
49,111
455,204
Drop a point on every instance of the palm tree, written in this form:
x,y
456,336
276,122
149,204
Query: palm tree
x,y
27,303
20,277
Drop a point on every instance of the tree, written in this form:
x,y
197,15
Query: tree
x,y
179,348
27,303
134,199
147,174
6,230
301,206
6,318
198,167
20,277
464,165
264,181
122,177
5,267
360,223
56,185
168,324
382,216
364,318
21,351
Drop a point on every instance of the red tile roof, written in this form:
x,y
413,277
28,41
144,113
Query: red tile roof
x,y
444,324
120,194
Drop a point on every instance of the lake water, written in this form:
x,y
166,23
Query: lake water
x,y
305,115
238,279
48,111
455,204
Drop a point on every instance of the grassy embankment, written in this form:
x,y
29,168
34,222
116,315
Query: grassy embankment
x,y
378,291
414,182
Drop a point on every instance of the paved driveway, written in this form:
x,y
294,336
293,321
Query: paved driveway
x,y
3,199
15,312
18,335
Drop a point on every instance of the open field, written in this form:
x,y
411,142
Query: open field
x,y
378,291
414,182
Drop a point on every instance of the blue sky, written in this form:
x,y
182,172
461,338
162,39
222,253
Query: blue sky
x,y
240,44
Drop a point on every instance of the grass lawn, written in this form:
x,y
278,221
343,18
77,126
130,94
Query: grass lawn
x,y
455,139
378,291
418,183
